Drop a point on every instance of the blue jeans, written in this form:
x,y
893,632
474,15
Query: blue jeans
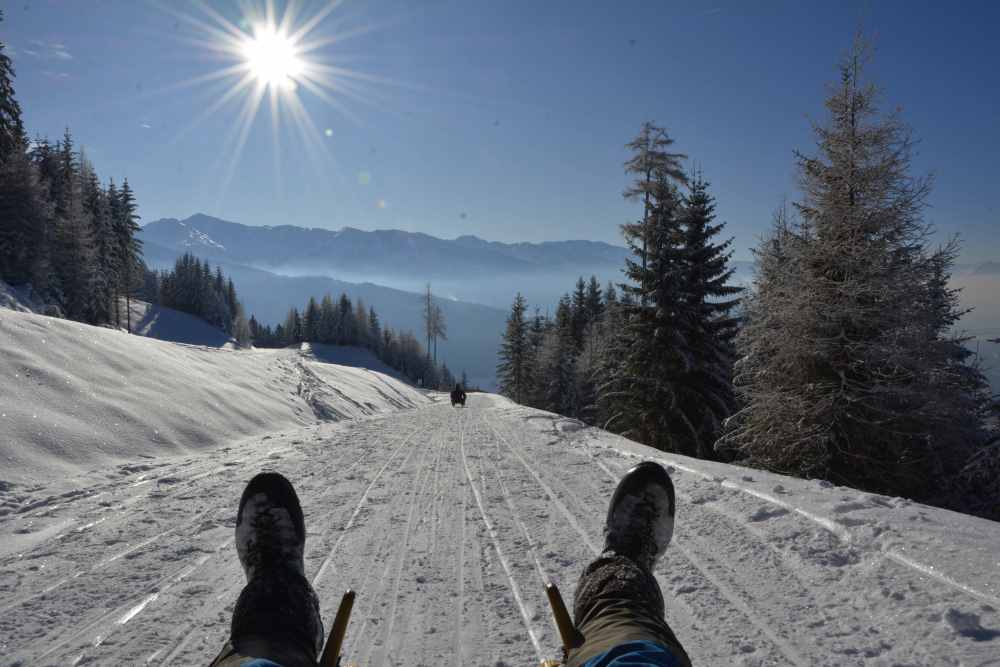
x,y
635,654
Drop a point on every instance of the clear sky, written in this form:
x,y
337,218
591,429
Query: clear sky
x,y
507,120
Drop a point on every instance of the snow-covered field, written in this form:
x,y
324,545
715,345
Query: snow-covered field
x,y
446,521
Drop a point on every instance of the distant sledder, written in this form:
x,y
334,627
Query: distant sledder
x,y
618,606
458,396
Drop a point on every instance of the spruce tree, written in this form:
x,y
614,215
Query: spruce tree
x,y
594,300
130,248
848,371
513,371
707,323
581,312
25,213
556,363
311,319
327,320
12,137
647,392
374,331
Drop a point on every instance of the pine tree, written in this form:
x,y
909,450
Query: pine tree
x,y
581,313
98,213
556,364
12,137
513,371
345,321
73,257
361,323
707,323
25,213
847,368
594,300
374,332
652,165
646,394
327,320
311,319
439,328
130,247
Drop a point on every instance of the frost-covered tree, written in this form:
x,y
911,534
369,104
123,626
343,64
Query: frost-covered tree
x,y
847,369
556,364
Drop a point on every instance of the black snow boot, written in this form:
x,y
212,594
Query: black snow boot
x,y
277,614
640,519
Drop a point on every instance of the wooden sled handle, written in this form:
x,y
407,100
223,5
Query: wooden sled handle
x,y
331,653
571,637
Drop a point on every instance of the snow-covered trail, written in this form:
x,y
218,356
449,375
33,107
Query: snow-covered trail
x,y
447,522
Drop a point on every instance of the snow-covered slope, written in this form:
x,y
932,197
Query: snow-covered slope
x,y
448,521
155,321
73,397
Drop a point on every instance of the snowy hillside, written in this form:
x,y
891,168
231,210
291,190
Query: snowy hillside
x,y
446,521
75,397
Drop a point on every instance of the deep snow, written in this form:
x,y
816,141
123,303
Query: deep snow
x,y
446,521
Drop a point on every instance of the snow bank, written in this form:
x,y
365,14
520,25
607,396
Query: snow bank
x,y
155,321
73,397
19,299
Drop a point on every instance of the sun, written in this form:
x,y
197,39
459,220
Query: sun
x,y
272,57
277,57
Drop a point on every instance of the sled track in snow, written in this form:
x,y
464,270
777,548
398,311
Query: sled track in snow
x,y
447,523
726,590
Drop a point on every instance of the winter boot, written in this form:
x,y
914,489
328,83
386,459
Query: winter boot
x,y
277,614
640,518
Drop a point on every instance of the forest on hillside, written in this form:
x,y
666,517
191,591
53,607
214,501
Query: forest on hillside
x,y
840,362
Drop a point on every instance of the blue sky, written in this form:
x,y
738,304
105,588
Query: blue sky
x,y
507,119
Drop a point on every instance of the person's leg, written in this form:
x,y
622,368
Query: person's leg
x,y
618,606
277,614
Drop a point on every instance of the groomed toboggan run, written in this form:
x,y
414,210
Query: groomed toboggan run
x,y
116,545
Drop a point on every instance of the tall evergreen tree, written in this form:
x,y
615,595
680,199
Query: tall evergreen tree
x,y
514,369
708,326
652,165
311,318
130,247
12,137
848,371
647,393
556,364
581,313
594,300
26,214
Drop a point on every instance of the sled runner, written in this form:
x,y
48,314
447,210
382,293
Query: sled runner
x,y
331,652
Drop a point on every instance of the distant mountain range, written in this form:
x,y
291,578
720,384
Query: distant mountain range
x,y
277,267
466,268
474,329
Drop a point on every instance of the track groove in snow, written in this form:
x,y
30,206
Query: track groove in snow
x,y
447,522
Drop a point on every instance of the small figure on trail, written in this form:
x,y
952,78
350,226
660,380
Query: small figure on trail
x,y
458,396
618,606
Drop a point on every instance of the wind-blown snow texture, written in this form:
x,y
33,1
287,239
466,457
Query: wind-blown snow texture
x,y
448,521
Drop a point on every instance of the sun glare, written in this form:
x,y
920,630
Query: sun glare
x,y
272,57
